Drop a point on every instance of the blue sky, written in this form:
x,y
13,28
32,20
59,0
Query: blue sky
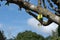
x,y
13,21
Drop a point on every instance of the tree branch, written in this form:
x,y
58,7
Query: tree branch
x,y
45,12
35,16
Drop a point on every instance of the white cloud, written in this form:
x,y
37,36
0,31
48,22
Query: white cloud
x,y
45,29
48,29
1,25
33,22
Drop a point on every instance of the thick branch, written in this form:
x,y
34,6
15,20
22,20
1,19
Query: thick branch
x,y
35,16
36,9
44,11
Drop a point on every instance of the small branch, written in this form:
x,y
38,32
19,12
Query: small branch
x,y
35,16
39,2
45,12
50,4
44,3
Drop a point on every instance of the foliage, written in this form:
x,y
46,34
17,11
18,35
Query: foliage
x,y
59,30
11,39
28,35
2,37
53,38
